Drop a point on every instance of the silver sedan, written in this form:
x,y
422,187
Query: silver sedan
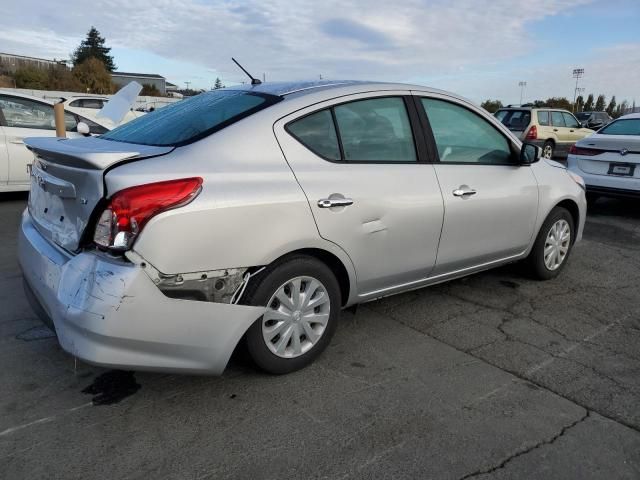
x,y
260,212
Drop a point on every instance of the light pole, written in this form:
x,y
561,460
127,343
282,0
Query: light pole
x,y
188,83
577,74
521,85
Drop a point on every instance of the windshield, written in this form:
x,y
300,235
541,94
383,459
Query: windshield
x,y
514,119
191,119
583,115
630,126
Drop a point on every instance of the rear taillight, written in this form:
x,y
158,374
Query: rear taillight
x,y
130,209
532,134
587,152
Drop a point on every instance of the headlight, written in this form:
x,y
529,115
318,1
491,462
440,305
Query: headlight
x,y
577,178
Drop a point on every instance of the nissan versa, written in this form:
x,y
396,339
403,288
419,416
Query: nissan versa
x,y
259,212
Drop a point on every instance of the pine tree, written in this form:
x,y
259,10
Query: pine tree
x,y
588,106
600,103
612,106
218,84
93,47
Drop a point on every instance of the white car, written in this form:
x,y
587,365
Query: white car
x,y
88,106
609,160
27,116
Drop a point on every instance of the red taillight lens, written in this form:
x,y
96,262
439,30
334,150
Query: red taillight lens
x,y
587,152
130,209
532,134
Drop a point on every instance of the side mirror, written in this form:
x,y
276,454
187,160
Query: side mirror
x,y
529,153
83,129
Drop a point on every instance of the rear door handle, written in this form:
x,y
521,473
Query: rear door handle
x,y
334,202
463,192
555,129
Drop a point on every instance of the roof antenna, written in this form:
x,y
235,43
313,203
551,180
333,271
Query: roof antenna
x,y
254,81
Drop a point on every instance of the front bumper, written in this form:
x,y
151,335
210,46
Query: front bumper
x,y
108,312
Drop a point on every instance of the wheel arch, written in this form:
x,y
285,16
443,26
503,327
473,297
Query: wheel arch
x,y
573,209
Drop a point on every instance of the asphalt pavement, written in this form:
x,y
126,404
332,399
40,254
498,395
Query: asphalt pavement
x,y
494,376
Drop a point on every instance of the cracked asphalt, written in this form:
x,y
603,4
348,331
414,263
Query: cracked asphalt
x,y
493,376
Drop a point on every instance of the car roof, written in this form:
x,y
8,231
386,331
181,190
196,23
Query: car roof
x,y
630,116
304,88
535,108
24,95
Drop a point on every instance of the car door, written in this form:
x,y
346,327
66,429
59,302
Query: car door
x,y
24,117
573,126
369,187
562,132
490,200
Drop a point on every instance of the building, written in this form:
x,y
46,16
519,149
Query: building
x,y
10,63
124,78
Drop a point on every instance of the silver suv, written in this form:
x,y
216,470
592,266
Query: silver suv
x,y
259,212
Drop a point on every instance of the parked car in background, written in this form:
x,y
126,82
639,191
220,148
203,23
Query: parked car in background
x,y
593,120
551,129
88,106
169,239
27,116
609,160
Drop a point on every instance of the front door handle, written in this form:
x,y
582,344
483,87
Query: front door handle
x,y
16,142
334,202
555,129
464,191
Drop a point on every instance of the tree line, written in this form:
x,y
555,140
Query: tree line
x,y
91,71
591,104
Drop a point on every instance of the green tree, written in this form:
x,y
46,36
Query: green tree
x,y
579,103
218,84
93,47
491,106
558,102
600,103
30,77
588,105
93,76
150,90
620,109
612,106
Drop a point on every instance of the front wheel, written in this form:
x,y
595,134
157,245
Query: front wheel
x,y
553,245
302,304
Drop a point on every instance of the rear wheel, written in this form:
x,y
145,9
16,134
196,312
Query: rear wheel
x,y
552,246
547,149
302,300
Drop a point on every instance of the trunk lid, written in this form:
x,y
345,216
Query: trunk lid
x,y
612,143
67,182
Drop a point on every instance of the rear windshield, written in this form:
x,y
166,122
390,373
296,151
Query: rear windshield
x,y
622,127
189,120
514,119
583,115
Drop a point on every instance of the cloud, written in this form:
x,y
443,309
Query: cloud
x,y
416,40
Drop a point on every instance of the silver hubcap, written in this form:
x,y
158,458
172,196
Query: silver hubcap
x,y
557,244
547,152
296,317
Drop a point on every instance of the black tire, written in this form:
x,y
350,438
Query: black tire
x,y
548,145
265,285
535,261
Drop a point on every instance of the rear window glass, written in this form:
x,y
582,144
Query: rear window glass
x,y
630,126
543,118
514,119
191,119
583,116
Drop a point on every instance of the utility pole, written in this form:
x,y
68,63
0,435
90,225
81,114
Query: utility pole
x,y
188,83
522,85
577,74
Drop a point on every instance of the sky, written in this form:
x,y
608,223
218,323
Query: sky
x,y
477,48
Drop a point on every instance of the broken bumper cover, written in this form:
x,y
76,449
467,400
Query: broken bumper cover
x,y
108,312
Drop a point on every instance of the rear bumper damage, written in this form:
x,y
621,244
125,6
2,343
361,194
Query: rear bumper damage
x,y
109,312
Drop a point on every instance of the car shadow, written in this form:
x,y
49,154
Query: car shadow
x,y
619,207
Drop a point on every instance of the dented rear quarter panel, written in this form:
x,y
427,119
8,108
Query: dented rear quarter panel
x,y
250,212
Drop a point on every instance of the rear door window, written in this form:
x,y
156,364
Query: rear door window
x,y
375,130
317,132
557,120
543,118
570,121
